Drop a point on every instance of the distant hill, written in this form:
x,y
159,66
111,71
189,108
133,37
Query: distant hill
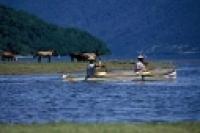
x,y
25,34
127,26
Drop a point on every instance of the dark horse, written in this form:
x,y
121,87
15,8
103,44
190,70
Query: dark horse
x,y
82,56
8,56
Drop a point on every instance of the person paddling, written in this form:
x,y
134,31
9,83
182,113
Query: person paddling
x,y
140,67
91,69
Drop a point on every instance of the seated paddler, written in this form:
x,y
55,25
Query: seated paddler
x,y
91,68
140,67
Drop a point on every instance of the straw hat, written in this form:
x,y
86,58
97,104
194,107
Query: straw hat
x,y
140,57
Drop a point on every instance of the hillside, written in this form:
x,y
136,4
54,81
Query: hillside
x,y
25,34
130,26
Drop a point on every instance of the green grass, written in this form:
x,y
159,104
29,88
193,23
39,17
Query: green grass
x,y
34,68
60,67
103,128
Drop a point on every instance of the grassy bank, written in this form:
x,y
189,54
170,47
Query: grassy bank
x,y
60,67
102,128
35,68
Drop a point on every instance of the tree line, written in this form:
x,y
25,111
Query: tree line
x,y
25,34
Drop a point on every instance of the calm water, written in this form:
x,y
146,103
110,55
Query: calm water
x,y
46,98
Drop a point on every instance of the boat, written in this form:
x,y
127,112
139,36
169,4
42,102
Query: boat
x,y
124,76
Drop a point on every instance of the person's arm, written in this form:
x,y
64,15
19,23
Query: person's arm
x,y
143,67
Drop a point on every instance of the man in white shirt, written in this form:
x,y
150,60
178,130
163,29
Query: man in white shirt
x,y
140,66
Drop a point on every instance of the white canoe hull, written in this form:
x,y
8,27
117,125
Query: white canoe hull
x,y
121,78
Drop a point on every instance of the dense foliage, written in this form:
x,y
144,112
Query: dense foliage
x,y
25,34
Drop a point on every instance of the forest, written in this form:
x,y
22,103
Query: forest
x,y
22,33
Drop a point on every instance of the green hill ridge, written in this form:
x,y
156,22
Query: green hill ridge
x,y
25,34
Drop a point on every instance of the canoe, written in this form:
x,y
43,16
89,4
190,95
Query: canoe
x,y
125,77
122,79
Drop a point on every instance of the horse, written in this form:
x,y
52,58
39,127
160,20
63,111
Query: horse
x,y
82,56
44,54
8,56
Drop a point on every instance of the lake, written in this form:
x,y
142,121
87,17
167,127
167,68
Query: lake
x,y
46,98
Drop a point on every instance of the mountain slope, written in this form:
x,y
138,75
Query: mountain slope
x,y
25,34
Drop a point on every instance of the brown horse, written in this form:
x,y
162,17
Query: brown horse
x,y
44,54
82,56
8,56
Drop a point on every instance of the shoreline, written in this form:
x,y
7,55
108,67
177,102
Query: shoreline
x,y
150,127
25,68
